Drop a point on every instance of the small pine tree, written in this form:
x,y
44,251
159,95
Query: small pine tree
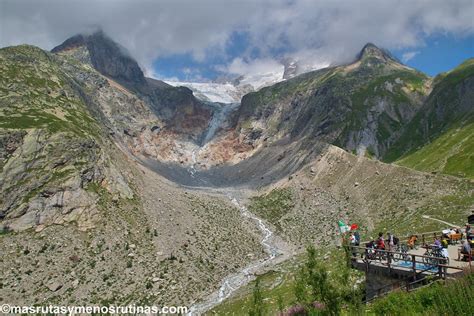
x,y
258,306
300,287
280,304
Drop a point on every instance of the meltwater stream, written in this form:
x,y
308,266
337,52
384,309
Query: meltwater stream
x,y
234,281
218,118
273,249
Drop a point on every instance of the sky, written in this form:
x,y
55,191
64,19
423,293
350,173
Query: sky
x,y
206,39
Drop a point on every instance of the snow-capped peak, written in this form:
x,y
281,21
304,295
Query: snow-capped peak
x,y
231,91
213,92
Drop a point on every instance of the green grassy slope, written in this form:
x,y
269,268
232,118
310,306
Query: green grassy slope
x,y
455,297
440,137
451,153
37,94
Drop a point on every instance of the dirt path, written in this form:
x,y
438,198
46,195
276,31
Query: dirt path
x,y
441,221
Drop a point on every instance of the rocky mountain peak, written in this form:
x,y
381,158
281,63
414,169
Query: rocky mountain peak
x,y
71,43
371,51
108,57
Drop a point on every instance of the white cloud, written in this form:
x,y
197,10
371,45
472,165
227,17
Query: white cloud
x,y
256,72
409,55
257,66
317,32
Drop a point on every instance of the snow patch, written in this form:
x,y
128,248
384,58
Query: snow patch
x,y
231,92
209,91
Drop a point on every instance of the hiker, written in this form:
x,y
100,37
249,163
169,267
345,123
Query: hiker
x,y
468,231
370,249
464,250
381,242
357,238
411,241
444,252
444,242
353,241
392,242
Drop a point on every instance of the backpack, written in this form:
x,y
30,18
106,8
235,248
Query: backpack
x,y
357,238
395,240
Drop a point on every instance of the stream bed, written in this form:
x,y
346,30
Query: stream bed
x,y
234,281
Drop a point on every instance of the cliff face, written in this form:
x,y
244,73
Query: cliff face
x,y
107,57
53,152
184,114
361,107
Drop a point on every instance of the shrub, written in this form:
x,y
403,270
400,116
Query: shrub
x,y
258,306
453,297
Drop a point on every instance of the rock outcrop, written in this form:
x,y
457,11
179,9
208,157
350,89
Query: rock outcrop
x,y
183,113
53,156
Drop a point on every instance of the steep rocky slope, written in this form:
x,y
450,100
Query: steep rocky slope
x,y
152,118
177,106
167,246
440,136
361,107
52,150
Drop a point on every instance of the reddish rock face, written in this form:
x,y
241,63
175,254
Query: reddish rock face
x,y
190,119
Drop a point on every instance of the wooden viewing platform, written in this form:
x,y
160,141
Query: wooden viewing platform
x,y
387,271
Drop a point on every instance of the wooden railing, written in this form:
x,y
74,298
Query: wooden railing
x,y
416,273
422,237
432,264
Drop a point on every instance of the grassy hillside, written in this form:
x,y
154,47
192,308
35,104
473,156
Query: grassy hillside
x,y
451,153
375,195
440,137
455,297
37,94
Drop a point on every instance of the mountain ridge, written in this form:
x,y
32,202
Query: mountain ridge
x,y
383,97
370,50
385,93
107,57
439,137
177,106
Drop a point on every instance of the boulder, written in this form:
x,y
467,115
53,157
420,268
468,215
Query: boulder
x,y
54,286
